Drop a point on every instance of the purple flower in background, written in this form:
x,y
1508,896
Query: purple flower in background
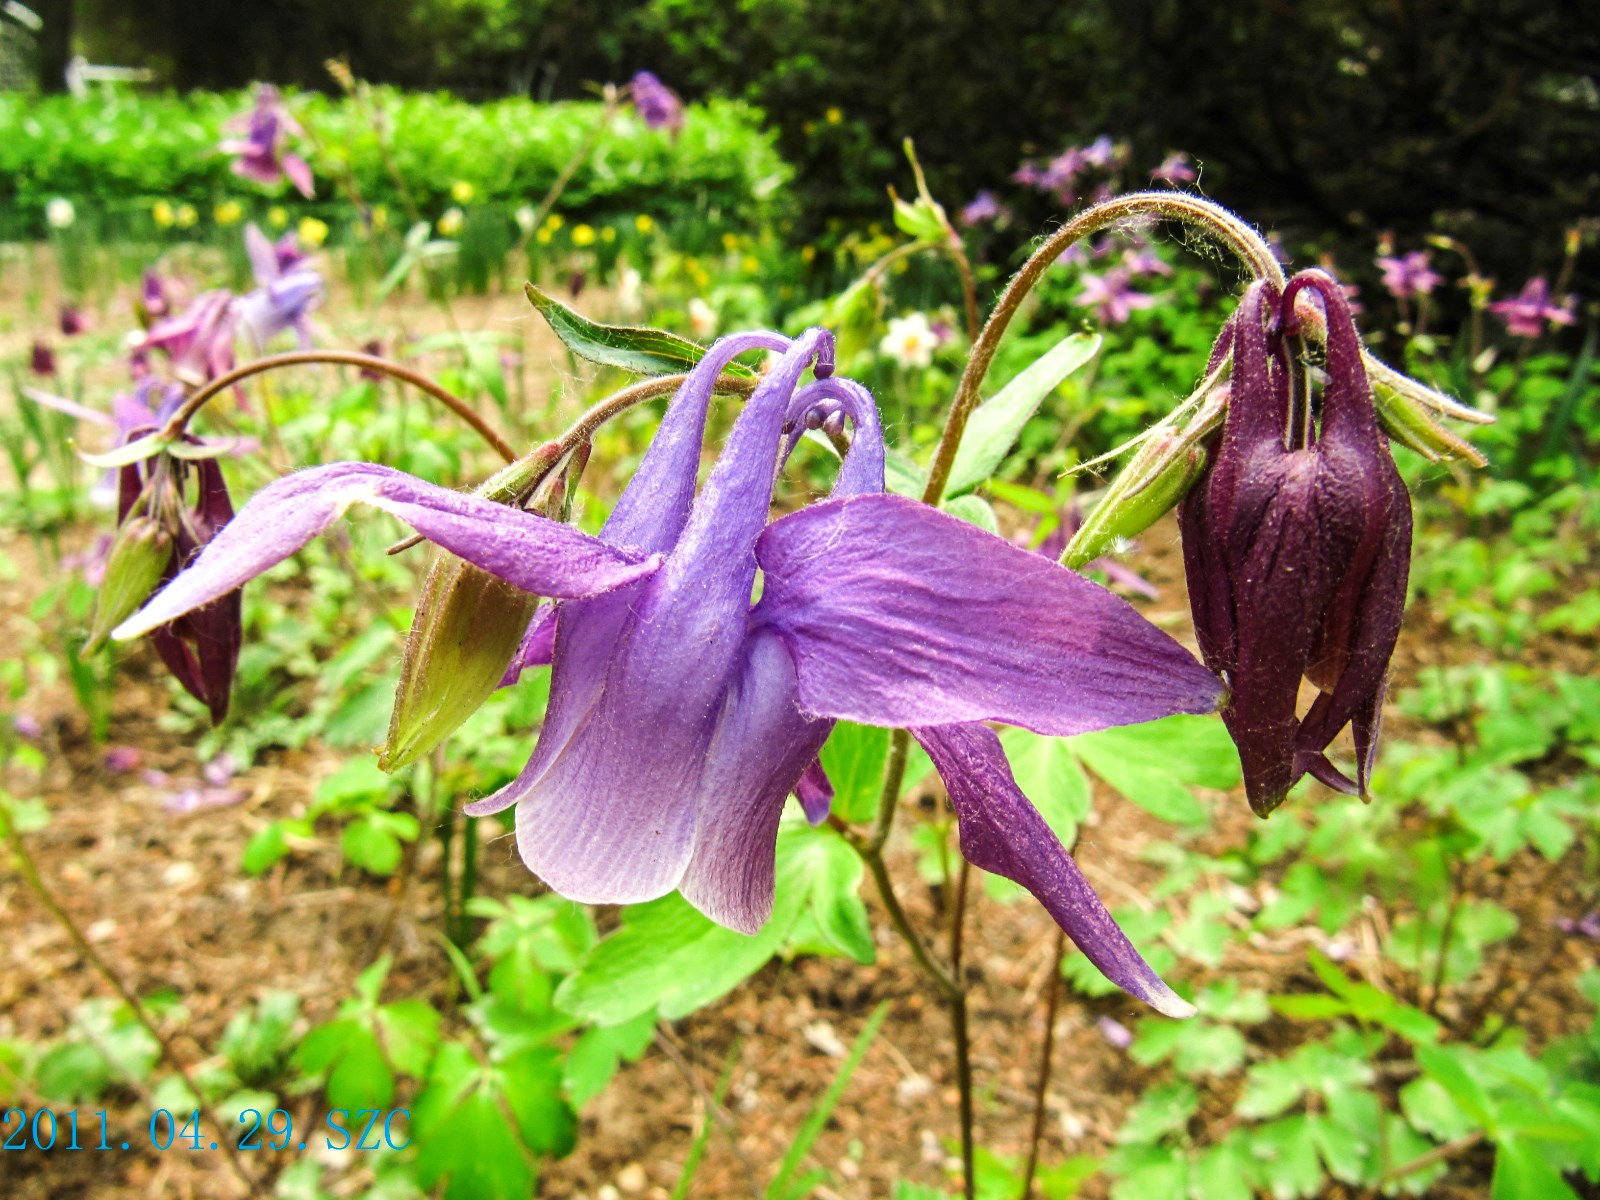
x,y
1409,276
657,104
73,322
121,759
42,359
1175,168
1101,152
1111,295
1027,174
1587,925
1525,315
1297,558
199,340
681,715
261,152
27,726
982,207
1142,260
153,304
287,289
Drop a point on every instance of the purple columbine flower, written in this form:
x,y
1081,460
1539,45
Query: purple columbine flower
x,y
73,322
199,340
1409,276
1176,168
153,304
1112,295
1525,314
261,152
1296,544
682,714
657,104
42,359
287,289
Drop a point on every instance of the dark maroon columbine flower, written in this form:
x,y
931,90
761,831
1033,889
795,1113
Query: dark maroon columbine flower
x,y
42,360
73,322
1296,544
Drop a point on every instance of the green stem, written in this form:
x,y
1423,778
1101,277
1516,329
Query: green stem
x,y
1042,1084
468,885
347,358
585,148
959,1030
1213,219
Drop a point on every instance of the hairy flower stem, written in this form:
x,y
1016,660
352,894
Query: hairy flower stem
x,y
347,358
1041,1085
41,890
958,1027
1212,219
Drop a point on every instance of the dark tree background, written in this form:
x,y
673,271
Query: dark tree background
x,y
1331,120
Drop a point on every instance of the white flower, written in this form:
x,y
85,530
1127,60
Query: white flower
x,y
630,287
910,340
60,213
702,318
524,217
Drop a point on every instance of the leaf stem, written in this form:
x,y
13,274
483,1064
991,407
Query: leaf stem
x,y
347,358
1041,1085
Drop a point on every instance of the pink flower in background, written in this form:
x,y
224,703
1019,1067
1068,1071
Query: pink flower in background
x,y
982,207
73,322
1175,168
262,155
42,360
1112,296
1409,275
1525,314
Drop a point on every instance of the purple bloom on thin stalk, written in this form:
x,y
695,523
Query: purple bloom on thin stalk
x,y
73,322
682,714
982,207
1175,168
199,340
1297,557
1525,315
1112,296
657,104
287,289
262,155
1409,276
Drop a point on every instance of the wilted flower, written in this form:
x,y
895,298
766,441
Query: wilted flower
x,y
261,152
910,340
1409,276
1175,168
657,104
1297,557
1112,295
287,289
681,714
1526,314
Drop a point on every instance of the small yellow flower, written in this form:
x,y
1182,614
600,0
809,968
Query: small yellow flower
x,y
462,192
750,265
379,217
554,222
608,234
278,216
161,213
312,232
644,223
808,253
450,223
583,235
730,242
229,212
544,236
185,216
834,116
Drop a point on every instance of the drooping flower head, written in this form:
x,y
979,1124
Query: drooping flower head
x,y
1297,543
657,104
262,153
682,715
1527,313
1409,276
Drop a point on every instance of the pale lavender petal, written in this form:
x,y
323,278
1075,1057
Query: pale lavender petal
x,y
299,173
262,254
1002,832
527,551
759,753
71,407
815,793
898,614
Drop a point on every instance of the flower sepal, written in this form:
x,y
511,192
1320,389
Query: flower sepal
x,y
139,558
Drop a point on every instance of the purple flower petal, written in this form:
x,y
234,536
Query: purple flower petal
x,y
815,793
1002,832
899,615
527,551
537,648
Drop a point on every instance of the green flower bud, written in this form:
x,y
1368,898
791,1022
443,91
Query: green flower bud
x,y
1406,420
138,560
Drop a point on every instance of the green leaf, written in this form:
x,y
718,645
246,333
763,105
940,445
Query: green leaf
x,y
974,510
995,425
1521,1172
372,840
854,757
347,1052
464,1136
596,1055
1163,1109
1155,764
644,351
1224,1171
901,476
835,871
266,848
1286,1158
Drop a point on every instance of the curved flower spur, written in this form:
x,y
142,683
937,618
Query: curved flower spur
x,y
682,714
